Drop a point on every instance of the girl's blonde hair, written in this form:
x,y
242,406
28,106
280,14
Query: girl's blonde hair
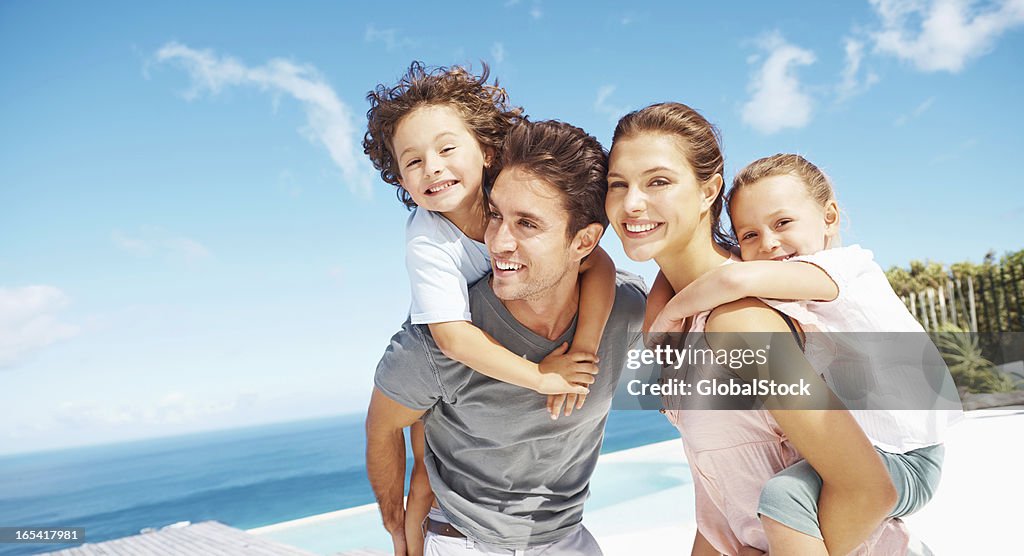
x,y
817,183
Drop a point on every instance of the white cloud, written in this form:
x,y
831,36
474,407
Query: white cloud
x,y
915,113
189,249
130,244
150,241
28,323
943,35
328,120
391,38
778,100
174,408
498,52
535,9
852,84
602,106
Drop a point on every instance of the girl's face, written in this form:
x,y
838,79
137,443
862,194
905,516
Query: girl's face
x,y
440,161
775,219
655,201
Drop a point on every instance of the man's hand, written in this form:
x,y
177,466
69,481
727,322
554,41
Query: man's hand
x,y
567,373
385,461
569,401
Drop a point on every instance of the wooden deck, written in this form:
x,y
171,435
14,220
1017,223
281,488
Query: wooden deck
x,y
209,538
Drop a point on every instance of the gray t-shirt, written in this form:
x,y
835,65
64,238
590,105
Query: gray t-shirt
x,y
503,471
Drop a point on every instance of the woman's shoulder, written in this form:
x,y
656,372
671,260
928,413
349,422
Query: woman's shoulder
x,y
745,315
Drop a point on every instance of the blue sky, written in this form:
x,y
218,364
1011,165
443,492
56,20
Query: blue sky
x,y
191,238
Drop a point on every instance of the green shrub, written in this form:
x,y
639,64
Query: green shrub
x,y
967,363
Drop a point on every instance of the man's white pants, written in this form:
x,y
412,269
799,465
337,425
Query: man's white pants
x,y
577,543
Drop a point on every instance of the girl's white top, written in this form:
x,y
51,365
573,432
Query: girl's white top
x,y
442,263
875,355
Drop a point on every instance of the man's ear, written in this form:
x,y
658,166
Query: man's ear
x,y
831,220
586,240
710,190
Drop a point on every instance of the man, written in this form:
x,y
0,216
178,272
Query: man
x,y
509,479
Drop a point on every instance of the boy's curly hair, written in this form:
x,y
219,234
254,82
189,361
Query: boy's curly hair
x,y
484,109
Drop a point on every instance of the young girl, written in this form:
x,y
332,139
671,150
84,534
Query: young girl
x,y
435,135
785,218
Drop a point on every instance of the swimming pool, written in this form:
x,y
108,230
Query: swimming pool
x,y
641,489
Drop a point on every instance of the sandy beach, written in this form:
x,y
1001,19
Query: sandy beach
x,y
642,500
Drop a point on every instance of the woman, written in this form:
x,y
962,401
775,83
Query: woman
x,y
664,202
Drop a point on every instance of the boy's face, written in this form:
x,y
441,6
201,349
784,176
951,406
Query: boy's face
x,y
440,162
775,218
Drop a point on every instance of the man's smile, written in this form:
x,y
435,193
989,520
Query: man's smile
x,y
506,267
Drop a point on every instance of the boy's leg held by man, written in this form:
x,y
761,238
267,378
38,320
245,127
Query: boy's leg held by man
x,y
420,498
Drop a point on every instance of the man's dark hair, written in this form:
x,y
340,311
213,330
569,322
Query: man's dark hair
x,y
566,157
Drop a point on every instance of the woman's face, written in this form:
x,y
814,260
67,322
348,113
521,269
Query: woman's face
x,y
654,200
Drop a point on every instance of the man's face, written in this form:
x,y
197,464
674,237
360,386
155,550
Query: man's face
x,y
526,237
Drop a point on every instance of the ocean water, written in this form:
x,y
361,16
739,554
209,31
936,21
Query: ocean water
x,y
244,477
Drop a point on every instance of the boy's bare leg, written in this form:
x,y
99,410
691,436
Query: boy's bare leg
x,y
749,551
784,540
417,505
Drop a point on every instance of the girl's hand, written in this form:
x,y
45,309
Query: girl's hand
x,y
666,324
567,373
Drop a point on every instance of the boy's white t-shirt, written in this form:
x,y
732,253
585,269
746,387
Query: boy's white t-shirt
x,y
881,369
442,263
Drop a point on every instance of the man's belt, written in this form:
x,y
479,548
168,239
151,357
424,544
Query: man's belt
x,y
443,529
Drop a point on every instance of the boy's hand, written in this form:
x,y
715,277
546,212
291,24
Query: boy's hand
x,y
567,373
414,539
570,401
